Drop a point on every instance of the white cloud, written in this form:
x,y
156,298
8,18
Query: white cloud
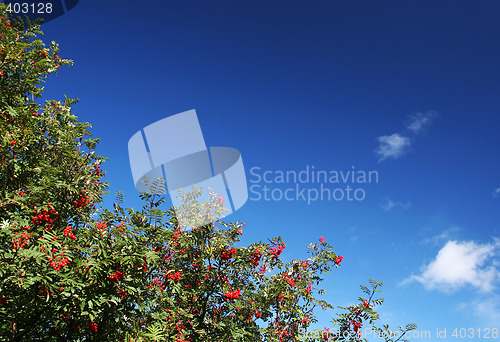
x,y
388,204
459,264
496,193
417,122
444,236
396,145
392,146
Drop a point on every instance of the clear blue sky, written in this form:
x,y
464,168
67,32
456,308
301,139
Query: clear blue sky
x,y
406,88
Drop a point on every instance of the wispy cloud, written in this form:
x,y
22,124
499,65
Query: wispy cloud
x,y
389,204
486,309
496,193
459,264
397,145
444,236
392,146
419,121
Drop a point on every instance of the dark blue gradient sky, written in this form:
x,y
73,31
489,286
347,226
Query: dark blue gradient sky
x,y
292,84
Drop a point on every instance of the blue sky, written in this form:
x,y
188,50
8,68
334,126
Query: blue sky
x,y
408,89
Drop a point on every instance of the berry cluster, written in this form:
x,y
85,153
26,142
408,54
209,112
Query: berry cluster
x,y
255,257
45,217
58,262
174,276
276,251
67,232
232,295
339,259
20,242
117,276
82,202
227,254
